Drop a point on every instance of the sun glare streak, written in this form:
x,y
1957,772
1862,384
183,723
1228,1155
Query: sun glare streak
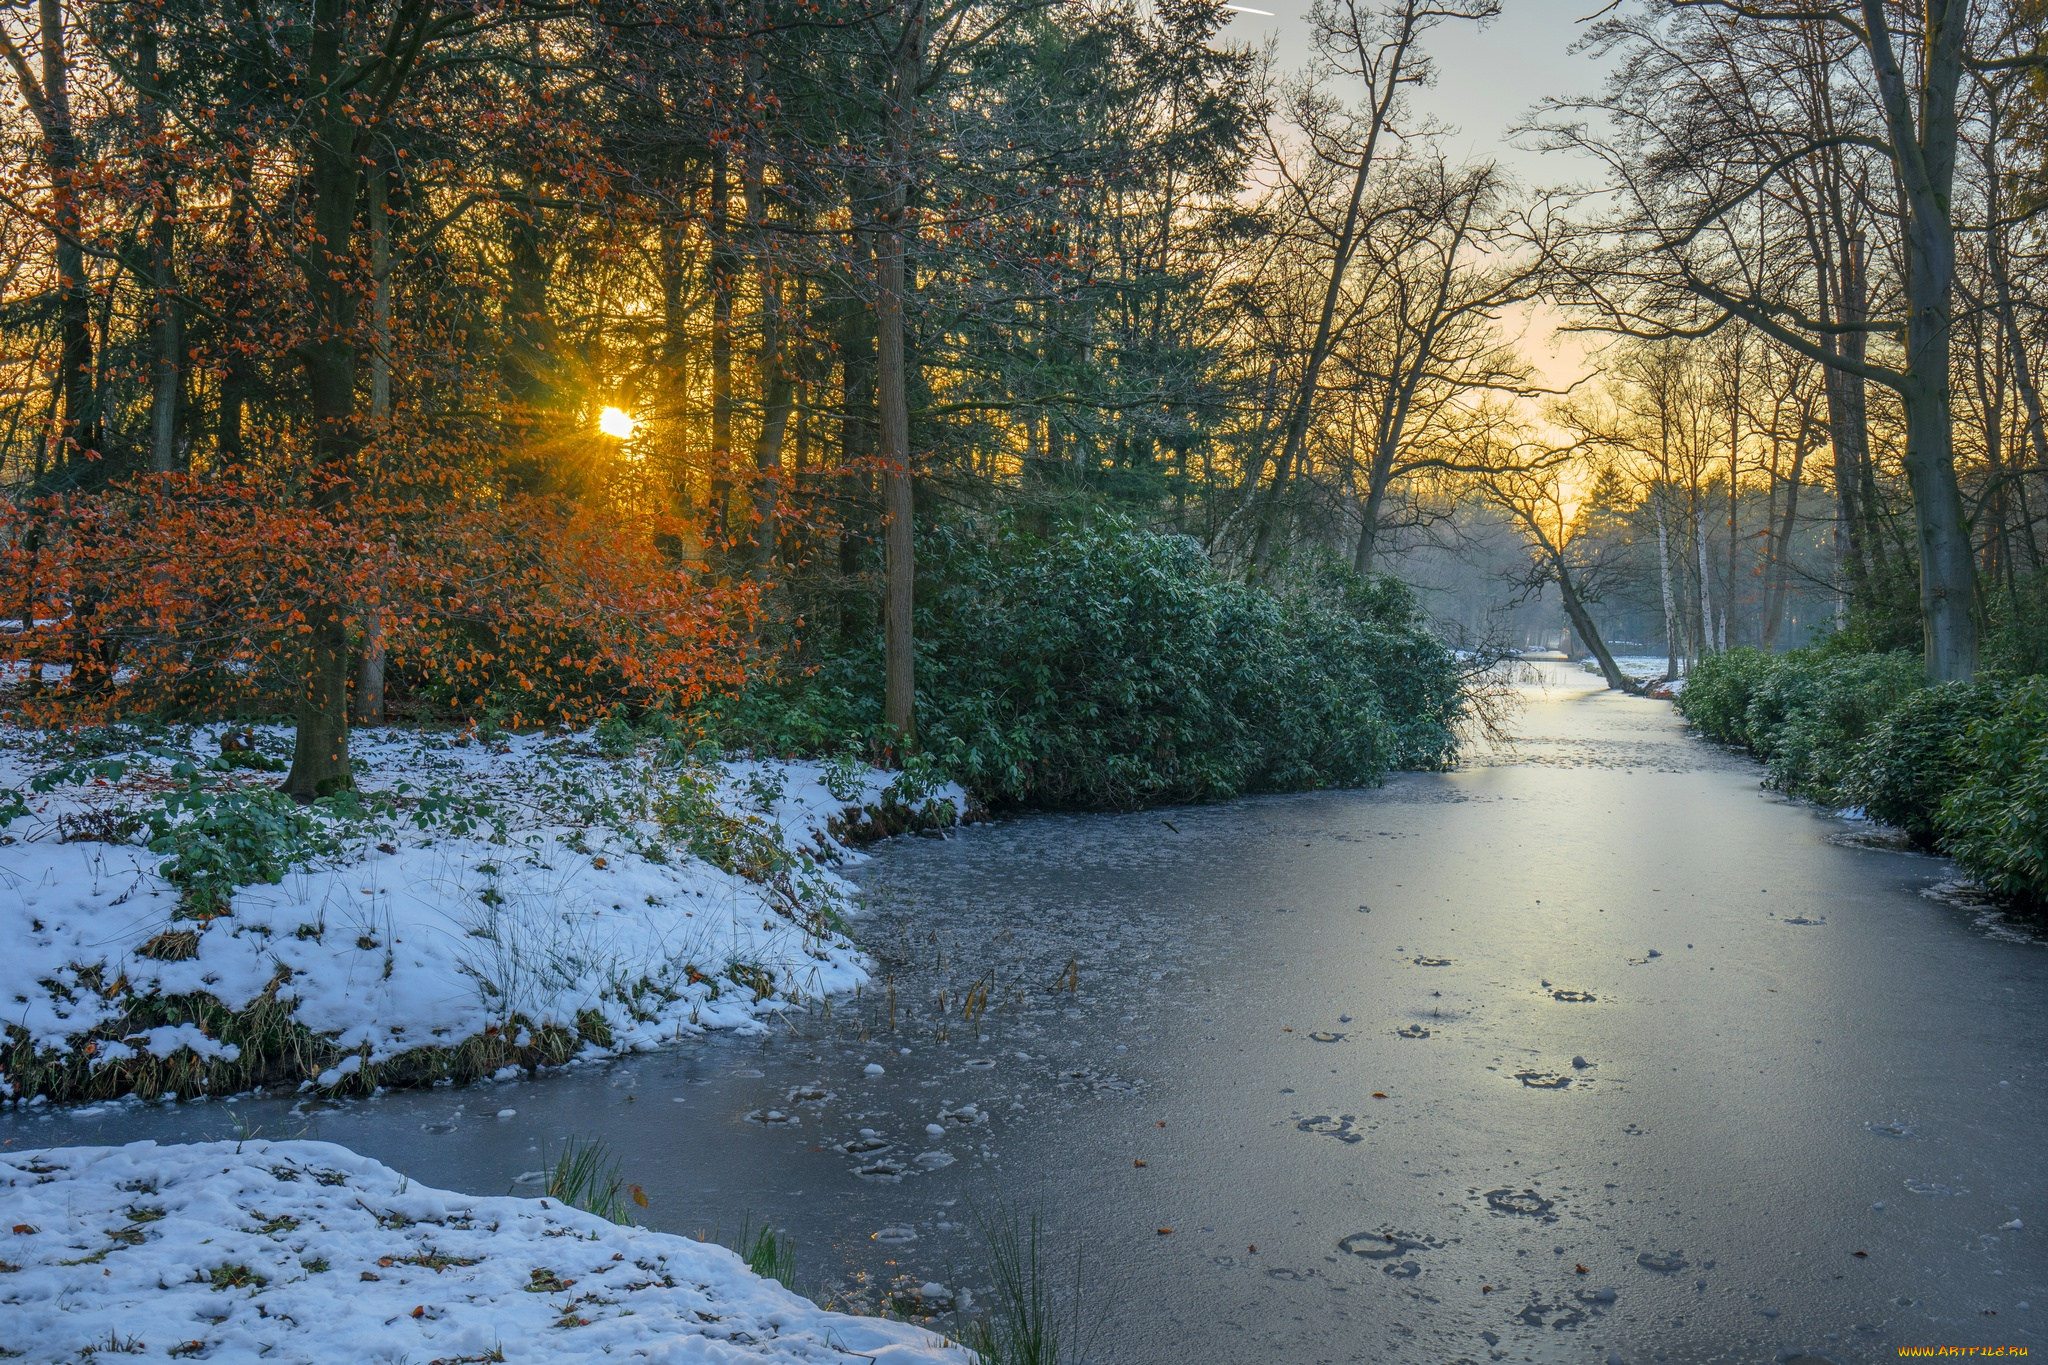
x,y
616,422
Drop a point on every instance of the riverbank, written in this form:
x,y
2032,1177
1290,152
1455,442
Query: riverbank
x,y
490,904
305,1250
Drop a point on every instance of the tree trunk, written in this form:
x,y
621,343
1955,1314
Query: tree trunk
x,y
369,694
721,266
1301,411
1664,581
164,330
1368,529
1706,622
778,387
858,438
1582,622
1926,158
899,706
1781,550
320,761
79,432
235,381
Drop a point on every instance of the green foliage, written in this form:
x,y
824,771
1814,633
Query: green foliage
x,y
1026,1324
2016,644
1104,666
1917,755
585,1175
1806,719
769,1255
845,774
1802,713
218,840
688,810
1996,820
1961,767
1718,691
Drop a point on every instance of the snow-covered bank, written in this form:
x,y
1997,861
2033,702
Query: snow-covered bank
x,y
174,925
1643,668
304,1251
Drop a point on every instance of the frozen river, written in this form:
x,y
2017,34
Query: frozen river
x,y
1588,1051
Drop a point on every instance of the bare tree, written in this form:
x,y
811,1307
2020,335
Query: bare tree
x,y
1324,183
1708,133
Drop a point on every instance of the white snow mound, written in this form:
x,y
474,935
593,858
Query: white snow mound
x,y
307,1252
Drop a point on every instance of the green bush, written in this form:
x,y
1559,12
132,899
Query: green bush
x,y
1806,719
1718,691
241,836
2016,643
1108,667
1802,713
1918,755
1961,767
1995,822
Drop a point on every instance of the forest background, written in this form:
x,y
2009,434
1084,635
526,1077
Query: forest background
x,y
1056,394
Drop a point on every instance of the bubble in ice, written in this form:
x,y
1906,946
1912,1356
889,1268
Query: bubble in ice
x,y
1339,1127
883,1169
894,1235
934,1161
507,1113
1325,1037
1543,1080
864,1144
1896,1128
1663,1262
1387,1244
1524,1202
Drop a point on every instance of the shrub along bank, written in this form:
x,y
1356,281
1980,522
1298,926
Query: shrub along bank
x,y
1104,667
1962,768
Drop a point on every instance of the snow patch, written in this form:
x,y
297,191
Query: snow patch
x,y
307,1251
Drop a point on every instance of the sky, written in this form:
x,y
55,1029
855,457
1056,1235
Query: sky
x,y
1488,80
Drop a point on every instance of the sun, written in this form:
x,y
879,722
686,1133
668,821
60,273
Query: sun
x,y
616,422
